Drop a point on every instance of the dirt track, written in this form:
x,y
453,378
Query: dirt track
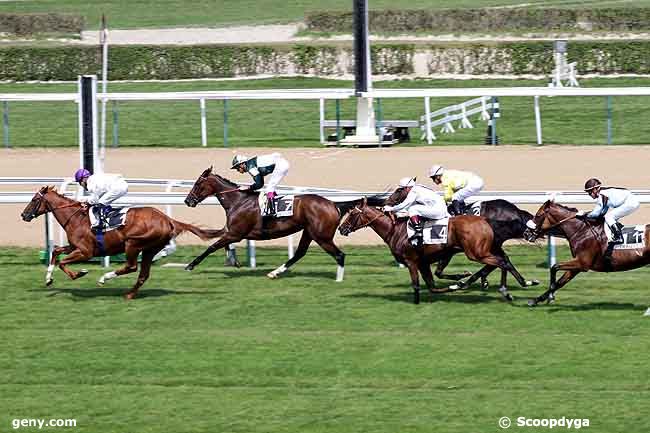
x,y
503,168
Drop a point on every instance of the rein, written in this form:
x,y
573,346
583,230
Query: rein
x,y
369,222
560,222
49,207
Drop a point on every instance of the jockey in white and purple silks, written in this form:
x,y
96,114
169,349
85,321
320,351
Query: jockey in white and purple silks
x,y
259,167
104,189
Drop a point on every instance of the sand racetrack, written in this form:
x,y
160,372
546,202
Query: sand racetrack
x,y
515,168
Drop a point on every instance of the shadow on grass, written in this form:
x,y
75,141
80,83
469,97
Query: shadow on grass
x,y
426,297
119,292
608,306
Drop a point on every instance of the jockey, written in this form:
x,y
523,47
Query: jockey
x,y
259,167
613,203
457,186
420,202
104,189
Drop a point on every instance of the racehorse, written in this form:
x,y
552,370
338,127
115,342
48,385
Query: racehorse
x,y
146,230
470,234
507,221
317,216
588,243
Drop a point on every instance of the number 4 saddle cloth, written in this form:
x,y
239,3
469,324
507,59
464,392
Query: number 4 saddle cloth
x,y
434,232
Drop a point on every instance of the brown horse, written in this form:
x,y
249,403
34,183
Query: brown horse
x,y
470,234
317,216
146,230
507,221
588,243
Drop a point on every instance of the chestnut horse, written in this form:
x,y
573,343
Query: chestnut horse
x,y
507,221
146,230
588,243
316,216
470,234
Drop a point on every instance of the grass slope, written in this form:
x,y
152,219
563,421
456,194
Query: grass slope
x,y
569,120
227,350
124,14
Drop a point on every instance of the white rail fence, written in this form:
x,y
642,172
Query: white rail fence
x,y
168,198
445,116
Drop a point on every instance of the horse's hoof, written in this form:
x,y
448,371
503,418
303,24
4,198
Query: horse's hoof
x,y
82,273
467,274
532,283
129,296
508,297
189,267
272,276
48,282
532,302
551,299
100,282
455,287
485,286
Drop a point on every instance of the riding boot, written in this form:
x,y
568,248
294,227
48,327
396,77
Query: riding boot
x,y
617,234
270,205
99,214
418,227
455,208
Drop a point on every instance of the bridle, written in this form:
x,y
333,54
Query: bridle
x,y
357,210
539,231
49,208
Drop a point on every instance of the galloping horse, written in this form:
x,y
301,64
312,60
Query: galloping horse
x,y
507,221
317,216
146,230
471,234
588,243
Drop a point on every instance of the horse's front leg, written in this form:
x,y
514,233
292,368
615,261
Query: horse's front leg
x,y
442,264
573,268
221,243
415,280
56,252
74,257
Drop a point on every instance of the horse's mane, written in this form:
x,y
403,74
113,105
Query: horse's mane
x,y
226,180
570,209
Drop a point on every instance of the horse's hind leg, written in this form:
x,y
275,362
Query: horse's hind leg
x,y
442,264
303,245
145,268
335,252
131,264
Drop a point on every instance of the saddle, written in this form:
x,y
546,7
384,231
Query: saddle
x,y
111,218
283,206
434,232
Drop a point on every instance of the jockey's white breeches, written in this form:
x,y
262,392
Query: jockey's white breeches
x,y
474,186
118,189
279,172
628,206
434,212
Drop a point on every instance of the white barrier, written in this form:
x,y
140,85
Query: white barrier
x,y
565,72
445,116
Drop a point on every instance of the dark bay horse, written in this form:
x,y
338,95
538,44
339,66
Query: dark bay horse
x,y
146,230
588,243
507,221
316,216
469,234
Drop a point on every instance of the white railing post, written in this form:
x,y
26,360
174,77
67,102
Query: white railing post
x,y
204,128
321,114
538,121
427,116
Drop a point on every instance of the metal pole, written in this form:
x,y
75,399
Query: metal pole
x,y
225,123
204,127
321,119
290,246
116,128
378,115
538,121
427,118
495,115
609,120
338,121
103,38
252,259
5,123
552,259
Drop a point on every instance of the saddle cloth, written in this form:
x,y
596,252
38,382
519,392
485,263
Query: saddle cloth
x,y
115,218
473,209
434,232
633,238
283,206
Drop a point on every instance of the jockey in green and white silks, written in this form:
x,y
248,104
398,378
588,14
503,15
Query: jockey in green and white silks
x,y
273,165
613,204
419,202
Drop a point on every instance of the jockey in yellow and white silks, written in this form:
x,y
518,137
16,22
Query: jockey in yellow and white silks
x,y
104,189
419,202
456,185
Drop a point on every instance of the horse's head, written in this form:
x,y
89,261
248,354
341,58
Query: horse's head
x,y
548,216
397,196
358,217
39,204
201,189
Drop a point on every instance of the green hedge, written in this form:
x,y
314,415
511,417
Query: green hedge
x,y
486,20
176,62
31,24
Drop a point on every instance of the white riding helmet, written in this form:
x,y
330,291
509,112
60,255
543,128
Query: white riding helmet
x,y
238,159
436,170
407,182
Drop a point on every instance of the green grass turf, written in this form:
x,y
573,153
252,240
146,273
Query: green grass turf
x,y
569,120
176,13
227,350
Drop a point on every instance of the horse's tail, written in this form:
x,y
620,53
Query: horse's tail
x,y
204,234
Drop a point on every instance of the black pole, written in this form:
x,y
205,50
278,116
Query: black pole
x,y
360,11
87,122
